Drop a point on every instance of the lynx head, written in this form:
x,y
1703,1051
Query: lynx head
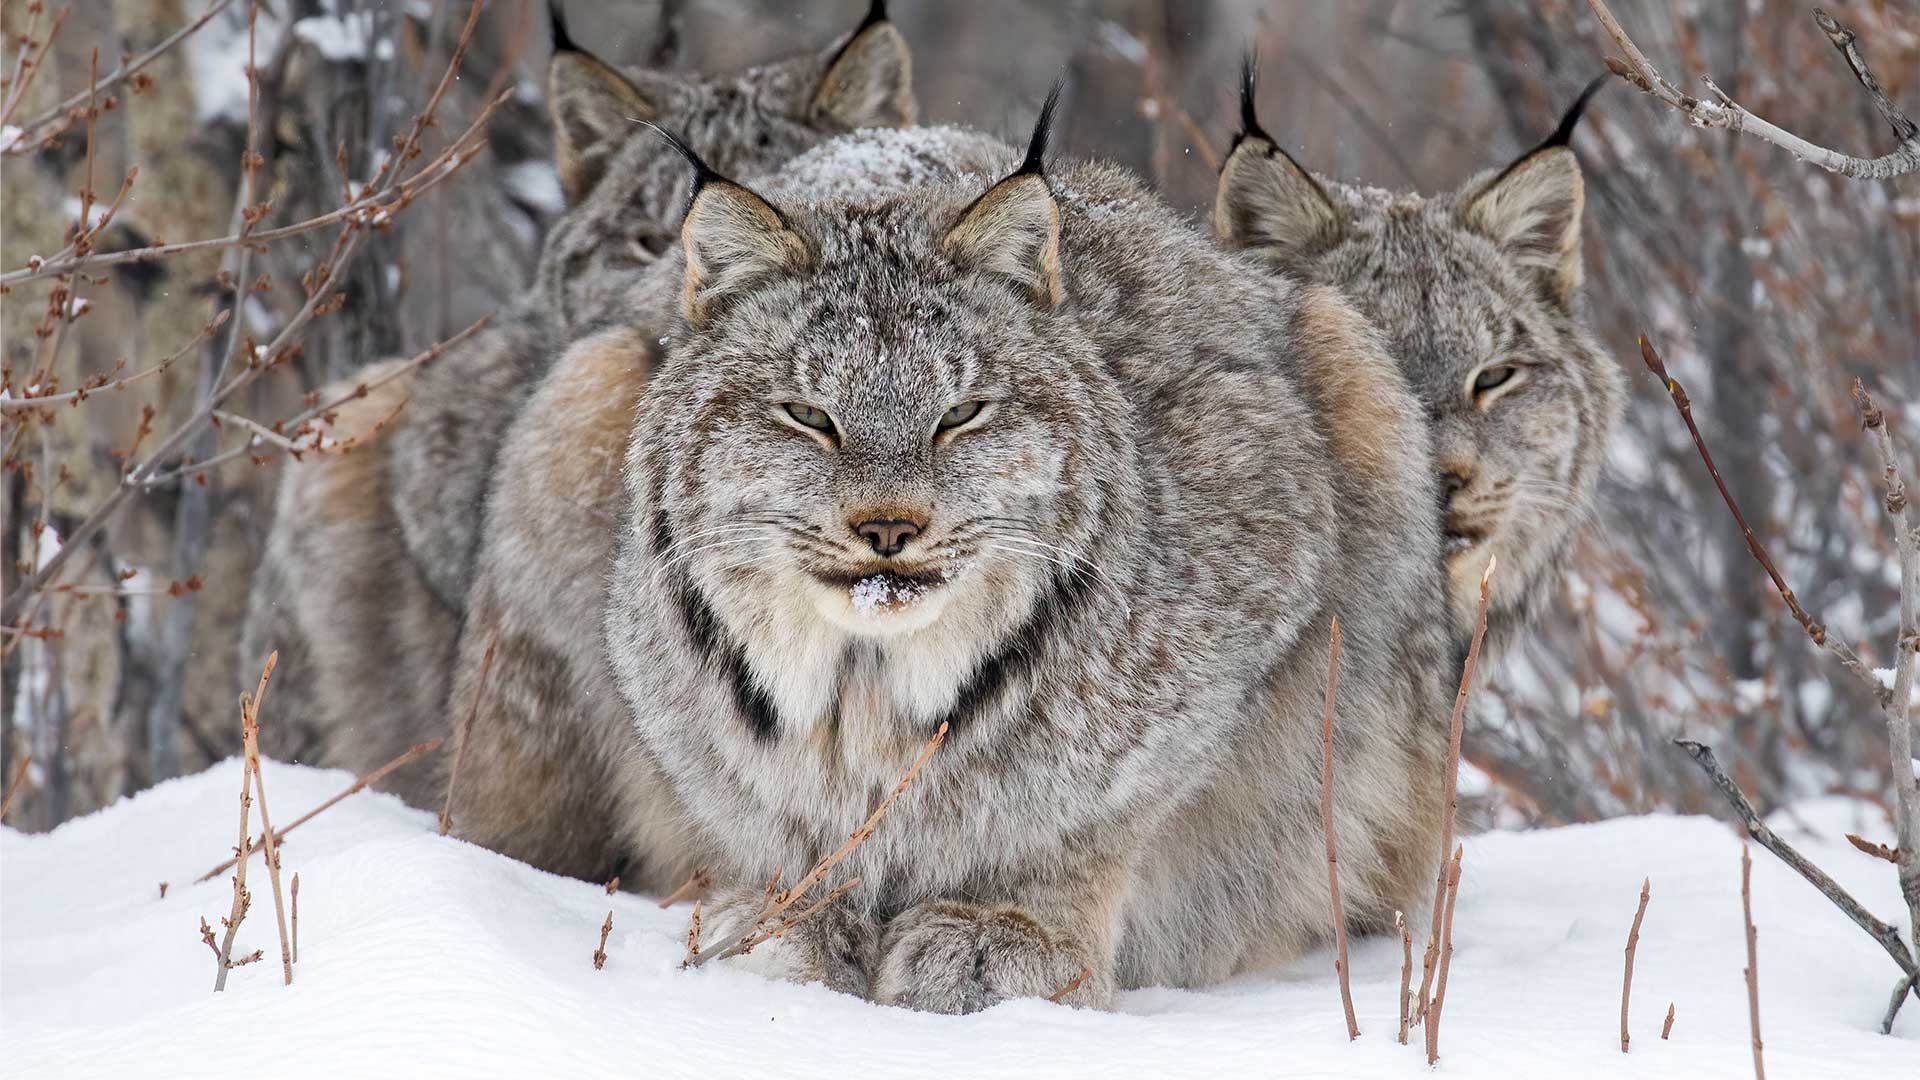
x,y
625,187
1477,291
877,407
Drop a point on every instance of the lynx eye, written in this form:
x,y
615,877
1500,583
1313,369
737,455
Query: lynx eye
x,y
960,414
649,245
808,416
1493,377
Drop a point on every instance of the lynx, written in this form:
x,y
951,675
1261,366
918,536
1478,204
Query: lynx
x,y
1477,291
1027,458
366,566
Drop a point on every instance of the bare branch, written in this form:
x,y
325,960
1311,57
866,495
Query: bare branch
x,y
105,384
600,953
1326,820
1446,957
1887,936
296,918
1455,727
1072,984
694,886
250,736
1633,941
1406,973
373,777
18,775
1724,112
1753,957
1666,1026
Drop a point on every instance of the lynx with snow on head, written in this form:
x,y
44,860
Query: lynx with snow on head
x,y
1477,292
1039,463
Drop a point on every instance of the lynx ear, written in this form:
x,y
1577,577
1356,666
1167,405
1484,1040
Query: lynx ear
x,y
1265,199
592,107
869,81
1532,208
733,239
1013,230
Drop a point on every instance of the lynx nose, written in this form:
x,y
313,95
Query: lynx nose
x,y
887,537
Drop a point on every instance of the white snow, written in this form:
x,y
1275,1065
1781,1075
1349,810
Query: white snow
x,y
427,957
536,183
217,55
882,592
8,136
342,38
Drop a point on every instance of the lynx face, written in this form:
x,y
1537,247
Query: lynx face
x,y
875,413
1477,293
627,189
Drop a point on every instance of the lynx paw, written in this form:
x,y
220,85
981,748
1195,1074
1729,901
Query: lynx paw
x,y
835,947
953,957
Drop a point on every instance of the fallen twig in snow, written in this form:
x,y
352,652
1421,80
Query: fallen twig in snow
x,y
1633,940
1446,958
461,736
695,886
773,920
1666,1029
613,884
1878,851
373,777
250,739
1406,972
1326,820
693,935
20,774
1753,957
1455,728
296,918
1072,984
600,953
1724,112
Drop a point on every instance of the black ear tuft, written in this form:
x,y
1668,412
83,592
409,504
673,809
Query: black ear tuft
x,y
1249,115
876,13
1563,135
557,29
1036,160
703,174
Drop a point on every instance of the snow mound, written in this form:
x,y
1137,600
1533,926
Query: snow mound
x,y
423,956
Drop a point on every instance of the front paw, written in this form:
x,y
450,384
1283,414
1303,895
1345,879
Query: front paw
x,y
835,946
953,957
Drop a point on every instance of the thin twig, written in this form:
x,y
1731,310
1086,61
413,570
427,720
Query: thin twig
x,y
250,735
600,953
1326,821
1406,973
1666,1028
1073,984
373,777
693,936
1724,112
1633,941
19,774
1753,957
1446,957
771,923
241,899
1455,728
465,732
1815,630
695,885
296,917
104,384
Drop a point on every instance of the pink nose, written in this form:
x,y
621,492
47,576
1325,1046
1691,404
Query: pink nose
x,y
887,537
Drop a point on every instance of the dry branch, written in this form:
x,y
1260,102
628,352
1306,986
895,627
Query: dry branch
x,y
241,899
1753,957
1073,984
296,918
373,777
1455,728
600,953
1724,112
20,774
773,920
1406,973
466,729
693,936
1666,1028
1633,941
695,885
250,736
1878,851
1446,958
1886,935
1326,820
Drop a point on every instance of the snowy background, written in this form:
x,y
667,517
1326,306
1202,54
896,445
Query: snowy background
x,y
424,956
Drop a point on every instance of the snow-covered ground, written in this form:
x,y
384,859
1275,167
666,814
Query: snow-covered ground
x,y
426,957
